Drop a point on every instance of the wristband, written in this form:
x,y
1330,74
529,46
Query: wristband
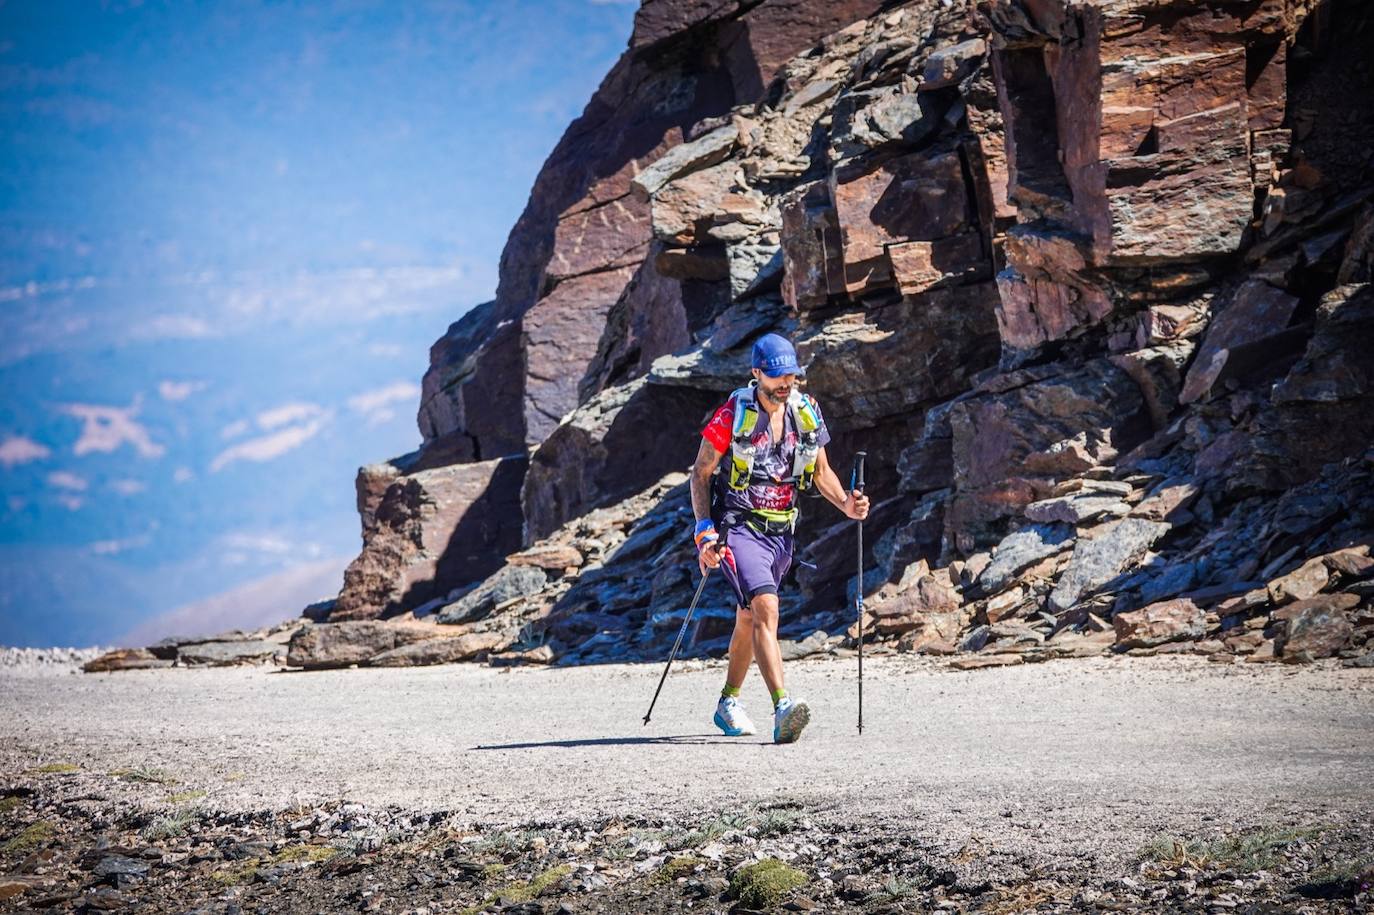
x,y
705,533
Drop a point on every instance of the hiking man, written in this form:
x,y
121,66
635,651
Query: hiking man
x,y
775,440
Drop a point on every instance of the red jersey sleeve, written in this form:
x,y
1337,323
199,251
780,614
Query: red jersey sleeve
x,y
718,430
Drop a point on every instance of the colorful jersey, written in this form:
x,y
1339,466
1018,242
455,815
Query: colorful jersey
x,y
770,483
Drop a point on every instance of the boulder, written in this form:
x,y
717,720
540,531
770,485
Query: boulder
x,y
916,197
219,654
812,256
709,149
1113,549
434,530
551,557
125,659
1073,509
1166,621
1047,292
949,65
1021,549
540,654
324,645
686,209
442,650
1244,331
507,584
1306,581
1316,628
918,266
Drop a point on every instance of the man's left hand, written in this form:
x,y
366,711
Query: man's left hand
x,y
856,505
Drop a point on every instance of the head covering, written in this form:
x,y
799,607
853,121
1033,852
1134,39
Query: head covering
x,y
774,356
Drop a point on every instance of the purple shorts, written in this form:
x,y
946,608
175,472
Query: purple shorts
x,y
761,560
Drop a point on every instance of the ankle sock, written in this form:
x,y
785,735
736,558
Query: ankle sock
x,y
778,696
730,692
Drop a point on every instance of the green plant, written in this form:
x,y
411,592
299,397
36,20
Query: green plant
x,y
53,769
508,841
182,797
153,776
894,889
774,822
708,831
1253,851
305,852
242,872
677,867
11,803
34,835
168,825
765,883
524,891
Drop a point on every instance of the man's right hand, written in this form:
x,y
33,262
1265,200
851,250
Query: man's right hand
x,y
709,548
709,556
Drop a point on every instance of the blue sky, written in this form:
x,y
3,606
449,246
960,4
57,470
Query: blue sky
x,y
228,234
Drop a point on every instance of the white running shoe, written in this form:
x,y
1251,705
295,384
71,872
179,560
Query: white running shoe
x,y
789,718
731,719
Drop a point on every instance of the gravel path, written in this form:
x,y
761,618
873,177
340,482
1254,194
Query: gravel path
x,y
1100,753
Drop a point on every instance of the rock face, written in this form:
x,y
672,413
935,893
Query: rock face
x,y
1089,282
431,529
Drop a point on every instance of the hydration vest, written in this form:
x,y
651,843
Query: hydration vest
x,y
805,419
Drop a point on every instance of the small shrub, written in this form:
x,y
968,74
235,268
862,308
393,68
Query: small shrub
x,y
53,769
306,852
765,883
168,825
677,867
34,835
182,797
140,774
891,891
776,822
523,892
1247,853
243,872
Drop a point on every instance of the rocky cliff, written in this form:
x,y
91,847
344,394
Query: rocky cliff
x,y
1089,281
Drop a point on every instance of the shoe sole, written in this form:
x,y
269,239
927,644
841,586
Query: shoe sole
x,y
729,731
792,725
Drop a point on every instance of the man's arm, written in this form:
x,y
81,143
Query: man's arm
x,y
854,505
707,459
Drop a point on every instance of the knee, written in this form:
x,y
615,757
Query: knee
x,y
744,617
764,610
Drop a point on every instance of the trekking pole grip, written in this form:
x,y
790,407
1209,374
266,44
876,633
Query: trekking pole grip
x,y
856,479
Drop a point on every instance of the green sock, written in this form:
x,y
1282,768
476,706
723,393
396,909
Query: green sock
x,y
778,696
730,691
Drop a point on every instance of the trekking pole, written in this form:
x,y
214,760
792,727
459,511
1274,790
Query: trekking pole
x,y
680,633
856,484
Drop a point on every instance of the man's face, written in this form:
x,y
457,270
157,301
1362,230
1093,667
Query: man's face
x,y
775,390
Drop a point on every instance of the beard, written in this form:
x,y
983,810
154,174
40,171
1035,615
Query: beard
x,y
777,395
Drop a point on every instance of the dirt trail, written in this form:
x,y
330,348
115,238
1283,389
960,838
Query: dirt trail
x,y
1099,753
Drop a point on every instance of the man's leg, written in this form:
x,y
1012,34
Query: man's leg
x,y
766,651
741,648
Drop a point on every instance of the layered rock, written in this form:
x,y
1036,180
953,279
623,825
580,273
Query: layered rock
x,y
1089,282
430,530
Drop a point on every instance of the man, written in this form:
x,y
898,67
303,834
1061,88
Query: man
x,y
773,439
